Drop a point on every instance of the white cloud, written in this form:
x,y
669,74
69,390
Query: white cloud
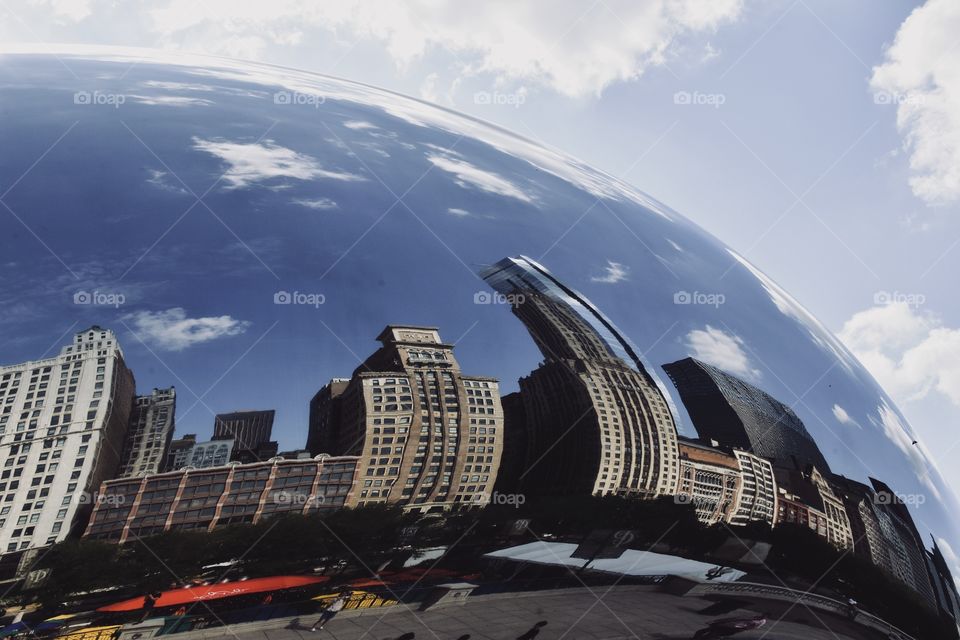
x,y
65,11
614,272
921,77
172,330
723,350
321,204
249,163
458,212
171,101
469,175
843,417
909,352
161,180
359,125
574,49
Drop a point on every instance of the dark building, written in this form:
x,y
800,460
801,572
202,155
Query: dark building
x,y
945,588
325,416
910,558
250,431
513,461
735,413
179,451
595,420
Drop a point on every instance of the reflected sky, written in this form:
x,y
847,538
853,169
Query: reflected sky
x,y
197,192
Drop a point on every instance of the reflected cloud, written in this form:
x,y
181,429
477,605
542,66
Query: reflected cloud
x,y
251,163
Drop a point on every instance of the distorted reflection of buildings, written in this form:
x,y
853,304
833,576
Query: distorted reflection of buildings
x,y
202,499
250,432
730,410
595,420
152,421
428,436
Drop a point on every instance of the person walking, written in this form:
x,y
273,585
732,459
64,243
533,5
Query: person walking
x,y
332,609
149,602
533,631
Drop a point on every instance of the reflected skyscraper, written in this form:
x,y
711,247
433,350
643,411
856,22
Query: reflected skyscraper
x,y
596,421
150,433
736,413
428,436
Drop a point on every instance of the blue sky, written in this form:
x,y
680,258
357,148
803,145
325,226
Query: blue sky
x,y
820,140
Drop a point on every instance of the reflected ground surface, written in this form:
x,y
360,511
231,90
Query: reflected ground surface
x,y
206,189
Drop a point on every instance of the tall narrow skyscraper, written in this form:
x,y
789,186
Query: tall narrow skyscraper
x,y
151,431
596,420
62,426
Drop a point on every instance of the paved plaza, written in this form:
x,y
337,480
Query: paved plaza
x,y
621,612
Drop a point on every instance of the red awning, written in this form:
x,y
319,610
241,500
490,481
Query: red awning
x,y
189,595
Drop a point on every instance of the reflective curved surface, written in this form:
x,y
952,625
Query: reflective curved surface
x,y
248,232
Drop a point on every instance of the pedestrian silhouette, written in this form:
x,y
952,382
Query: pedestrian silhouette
x,y
533,631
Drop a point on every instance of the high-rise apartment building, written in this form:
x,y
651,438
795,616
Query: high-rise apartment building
x,y
150,433
427,435
250,432
596,420
736,413
63,421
